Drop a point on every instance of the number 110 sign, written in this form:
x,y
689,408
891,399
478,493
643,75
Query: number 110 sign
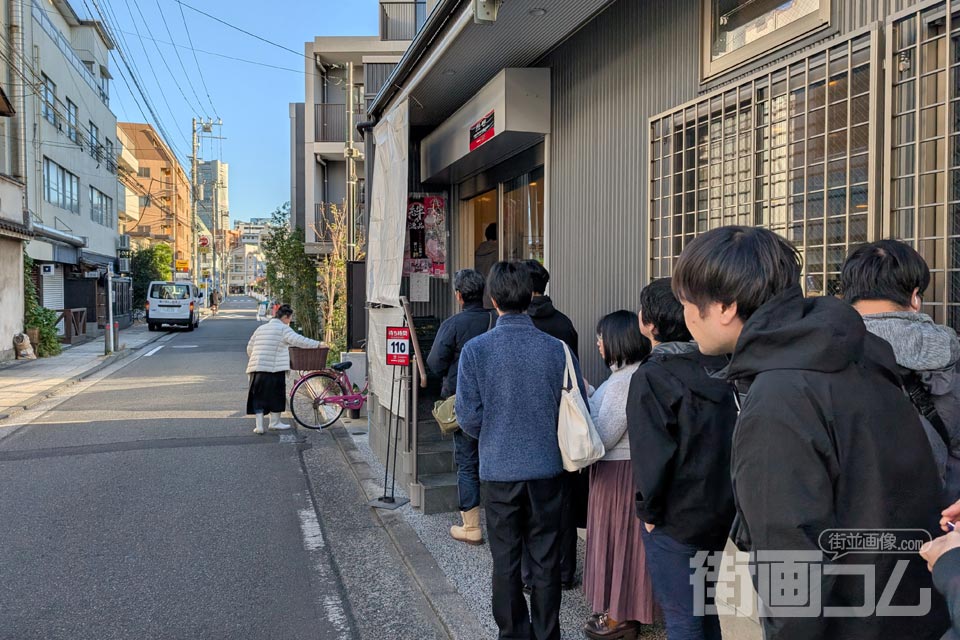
x,y
398,346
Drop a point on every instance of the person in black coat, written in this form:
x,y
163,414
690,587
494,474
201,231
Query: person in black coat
x,y
443,360
544,315
825,440
681,420
576,484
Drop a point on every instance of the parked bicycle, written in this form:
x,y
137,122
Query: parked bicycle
x,y
318,398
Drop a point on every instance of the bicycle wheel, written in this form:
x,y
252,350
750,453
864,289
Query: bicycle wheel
x,y
307,400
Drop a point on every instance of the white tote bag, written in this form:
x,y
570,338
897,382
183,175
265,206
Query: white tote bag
x,y
580,444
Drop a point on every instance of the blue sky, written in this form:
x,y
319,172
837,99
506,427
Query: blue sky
x,y
252,100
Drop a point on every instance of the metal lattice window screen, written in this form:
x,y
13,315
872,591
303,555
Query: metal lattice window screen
x,y
787,150
924,147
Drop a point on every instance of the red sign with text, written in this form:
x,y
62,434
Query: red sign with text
x,y
482,131
398,346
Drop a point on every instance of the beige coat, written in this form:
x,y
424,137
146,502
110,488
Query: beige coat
x,y
269,345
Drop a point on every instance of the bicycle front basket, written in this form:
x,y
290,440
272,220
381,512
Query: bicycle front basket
x,y
308,359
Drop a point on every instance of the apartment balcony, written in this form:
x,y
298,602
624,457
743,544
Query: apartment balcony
x,y
401,20
331,122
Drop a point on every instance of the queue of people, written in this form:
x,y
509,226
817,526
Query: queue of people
x,y
735,408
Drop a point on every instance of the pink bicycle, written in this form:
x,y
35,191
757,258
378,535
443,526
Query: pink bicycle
x,y
318,398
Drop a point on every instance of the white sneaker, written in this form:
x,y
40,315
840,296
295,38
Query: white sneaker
x,y
259,428
275,424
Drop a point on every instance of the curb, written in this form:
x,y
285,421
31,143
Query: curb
x,y
36,399
457,619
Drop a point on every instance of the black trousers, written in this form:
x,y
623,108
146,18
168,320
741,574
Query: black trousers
x,y
527,515
575,487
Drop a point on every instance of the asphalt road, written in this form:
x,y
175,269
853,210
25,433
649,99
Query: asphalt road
x,y
145,507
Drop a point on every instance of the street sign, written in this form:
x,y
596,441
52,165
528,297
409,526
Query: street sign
x,y
398,346
183,265
204,241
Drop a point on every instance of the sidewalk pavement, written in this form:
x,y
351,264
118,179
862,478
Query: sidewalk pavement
x,y
25,383
454,577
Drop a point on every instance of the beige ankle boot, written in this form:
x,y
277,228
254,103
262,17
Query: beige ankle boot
x,y
470,532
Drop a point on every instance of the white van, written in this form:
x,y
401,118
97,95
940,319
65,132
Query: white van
x,y
173,303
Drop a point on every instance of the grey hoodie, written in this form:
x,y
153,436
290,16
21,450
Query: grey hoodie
x,y
932,350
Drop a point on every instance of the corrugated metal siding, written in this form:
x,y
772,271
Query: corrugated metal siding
x,y
853,14
608,80
375,74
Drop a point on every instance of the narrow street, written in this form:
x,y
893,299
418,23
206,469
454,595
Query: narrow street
x,y
144,507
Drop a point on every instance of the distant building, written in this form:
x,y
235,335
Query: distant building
x,y
162,211
213,178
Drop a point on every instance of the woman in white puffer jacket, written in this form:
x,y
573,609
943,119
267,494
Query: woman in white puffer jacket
x,y
269,362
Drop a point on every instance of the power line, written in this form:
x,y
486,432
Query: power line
x,y
153,72
132,74
221,55
199,68
179,59
241,30
163,58
143,45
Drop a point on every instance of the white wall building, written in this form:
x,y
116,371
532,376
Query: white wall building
x,y
247,264
71,155
15,228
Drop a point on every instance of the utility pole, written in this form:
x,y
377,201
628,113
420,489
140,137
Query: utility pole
x,y
193,202
351,153
216,226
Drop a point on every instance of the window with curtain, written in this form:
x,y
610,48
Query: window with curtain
x,y
523,213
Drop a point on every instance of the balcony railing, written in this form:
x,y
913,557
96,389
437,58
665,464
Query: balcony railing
x,y
401,20
40,15
331,122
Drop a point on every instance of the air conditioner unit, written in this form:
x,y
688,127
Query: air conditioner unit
x,y
48,269
123,242
124,265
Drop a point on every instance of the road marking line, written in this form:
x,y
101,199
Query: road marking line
x,y
310,529
185,346
153,351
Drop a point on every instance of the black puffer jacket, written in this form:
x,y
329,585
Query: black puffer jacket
x,y
453,334
553,323
681,421
826,439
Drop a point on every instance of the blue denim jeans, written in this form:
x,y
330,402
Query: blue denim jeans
x,y
668,563
467,455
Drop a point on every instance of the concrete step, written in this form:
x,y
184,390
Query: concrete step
x,y
435,456
439,493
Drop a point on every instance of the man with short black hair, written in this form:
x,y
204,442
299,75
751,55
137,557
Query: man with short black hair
x,y
576,484
681,421
825,440
885,282
508,397
545,316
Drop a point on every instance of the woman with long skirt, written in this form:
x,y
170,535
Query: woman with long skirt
x,y
615,577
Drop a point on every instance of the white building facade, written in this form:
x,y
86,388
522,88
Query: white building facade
x,y
71,156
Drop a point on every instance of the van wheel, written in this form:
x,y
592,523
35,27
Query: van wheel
x,y
191,325
151,326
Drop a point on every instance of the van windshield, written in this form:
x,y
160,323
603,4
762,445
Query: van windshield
x,y
170,291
